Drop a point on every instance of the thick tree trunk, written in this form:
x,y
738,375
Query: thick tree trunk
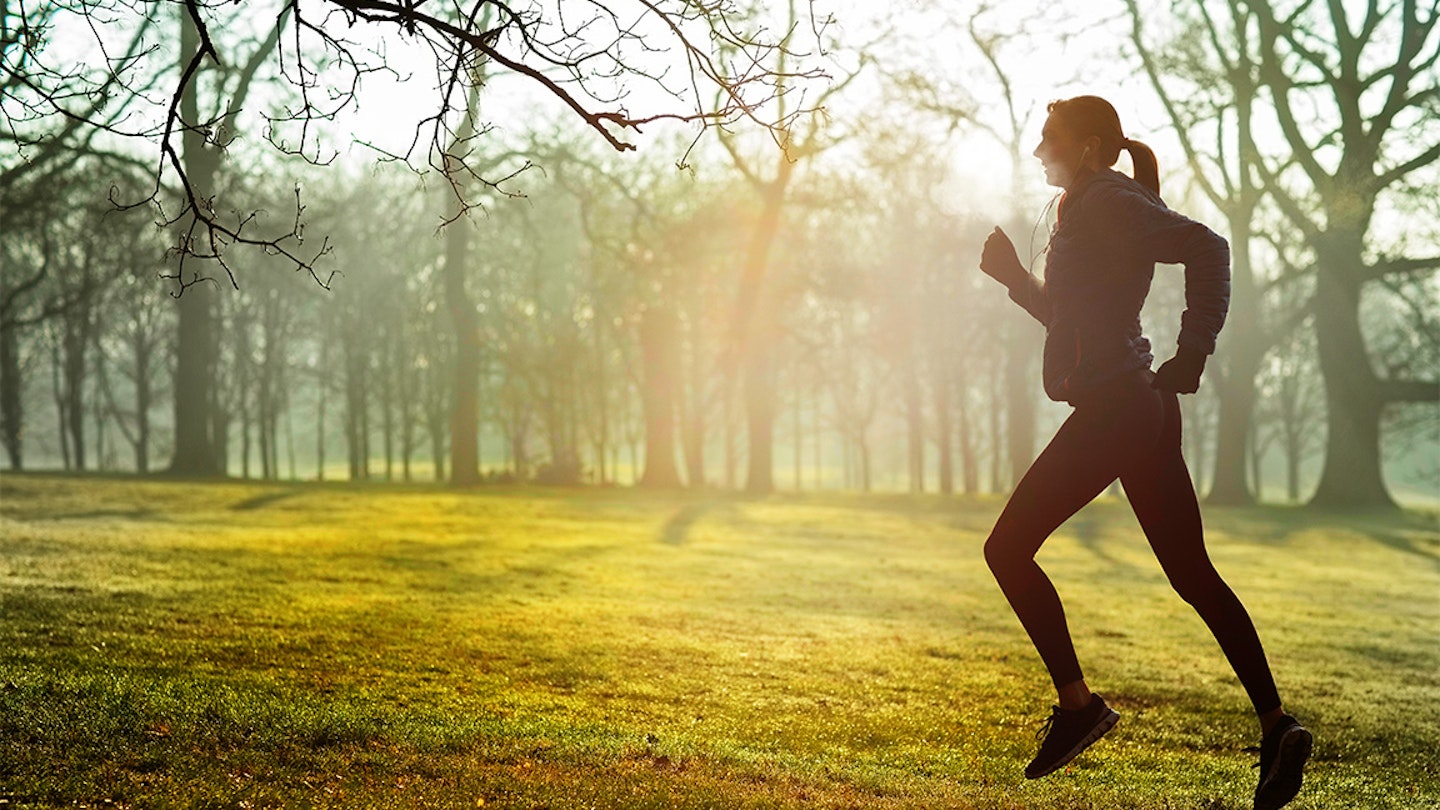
x,y
197,343
1236,390
1244,347
758,333
465,394
659,331
1351,477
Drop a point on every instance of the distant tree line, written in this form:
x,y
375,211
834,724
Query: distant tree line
x,y
798,309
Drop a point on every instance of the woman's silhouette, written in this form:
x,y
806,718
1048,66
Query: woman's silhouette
x,y
1111,231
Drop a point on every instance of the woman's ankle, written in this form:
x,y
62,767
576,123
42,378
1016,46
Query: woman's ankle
x,y
1074,696
1270,718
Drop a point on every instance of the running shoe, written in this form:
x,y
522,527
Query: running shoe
x,y
1283,753
1068,732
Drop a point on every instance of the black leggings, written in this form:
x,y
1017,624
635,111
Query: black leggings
x,y
1125,429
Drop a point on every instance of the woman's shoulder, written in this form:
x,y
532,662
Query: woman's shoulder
x,y
1108,187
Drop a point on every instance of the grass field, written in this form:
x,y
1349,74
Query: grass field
x,y
248,645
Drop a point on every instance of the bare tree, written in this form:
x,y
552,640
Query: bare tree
x,y
1215,123
591,60
1356,97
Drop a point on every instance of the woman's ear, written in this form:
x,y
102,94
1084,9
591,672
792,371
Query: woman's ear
x,y
1092,147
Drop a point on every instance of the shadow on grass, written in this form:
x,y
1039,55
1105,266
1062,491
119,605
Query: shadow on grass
x,y
676,531
1406,535
263,499
147,515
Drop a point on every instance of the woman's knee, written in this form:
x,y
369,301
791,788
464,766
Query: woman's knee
x,y
1004,555
1201,587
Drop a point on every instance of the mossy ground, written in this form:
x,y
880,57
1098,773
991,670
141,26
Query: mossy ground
x,y
168,644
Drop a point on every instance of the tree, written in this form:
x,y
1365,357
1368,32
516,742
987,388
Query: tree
x,y
190,103
586,59
1204,113
1372,79
802,134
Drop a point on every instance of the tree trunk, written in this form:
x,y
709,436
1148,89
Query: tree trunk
x,y
863,445
732,450
196,349
12,410
944,428
758,314
798,428
997,431
1021,349
659,331
914,425
387,406
323,385
760,401
1352,477
143,347
1244,346
355,411
817,437
243,371
465,396
77,341
969,461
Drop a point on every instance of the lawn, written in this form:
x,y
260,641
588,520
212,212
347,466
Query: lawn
x,y
166,644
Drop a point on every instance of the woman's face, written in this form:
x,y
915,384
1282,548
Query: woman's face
x,y
1061,153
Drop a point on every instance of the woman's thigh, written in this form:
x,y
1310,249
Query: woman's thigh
x,y
1103,438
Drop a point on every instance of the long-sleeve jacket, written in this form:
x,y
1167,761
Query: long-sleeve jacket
x,y
1111,233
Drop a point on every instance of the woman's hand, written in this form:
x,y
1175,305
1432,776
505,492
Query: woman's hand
x,y
1181,374
999,261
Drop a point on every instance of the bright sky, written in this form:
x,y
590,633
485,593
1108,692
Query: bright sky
x,y
928,36
389,107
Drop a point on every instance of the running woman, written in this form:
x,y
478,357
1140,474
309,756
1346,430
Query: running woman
x,y
1110,232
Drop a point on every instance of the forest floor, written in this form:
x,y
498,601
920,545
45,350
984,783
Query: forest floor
x,y
167,644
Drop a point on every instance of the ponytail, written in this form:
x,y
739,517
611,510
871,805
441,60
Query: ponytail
x,y
1087,116
1147,170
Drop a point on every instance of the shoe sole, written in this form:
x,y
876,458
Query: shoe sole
x,y
1107,722
1282,783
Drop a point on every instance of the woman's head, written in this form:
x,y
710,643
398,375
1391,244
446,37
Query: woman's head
x,y
1084,133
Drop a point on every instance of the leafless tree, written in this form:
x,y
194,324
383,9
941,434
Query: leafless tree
x,y
617,66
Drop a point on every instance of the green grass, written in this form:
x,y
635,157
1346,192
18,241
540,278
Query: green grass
x,y
246,645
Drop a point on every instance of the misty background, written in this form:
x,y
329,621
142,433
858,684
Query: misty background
x,y
786,298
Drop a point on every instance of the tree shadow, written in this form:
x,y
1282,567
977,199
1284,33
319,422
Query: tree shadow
x,y
676,531
148,515
1404,534
262,500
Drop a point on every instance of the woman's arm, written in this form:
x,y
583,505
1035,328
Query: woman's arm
x,y
1161,235
1157,234
999,261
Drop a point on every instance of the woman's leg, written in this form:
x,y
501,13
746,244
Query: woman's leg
x,y
1087,453
1163,497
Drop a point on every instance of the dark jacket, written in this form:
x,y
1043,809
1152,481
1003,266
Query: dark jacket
x,y
1103,251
